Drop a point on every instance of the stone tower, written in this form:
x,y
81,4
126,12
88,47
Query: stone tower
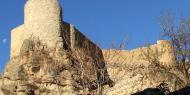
x,y
42,19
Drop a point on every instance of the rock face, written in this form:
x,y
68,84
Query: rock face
x,y
131,78
51,57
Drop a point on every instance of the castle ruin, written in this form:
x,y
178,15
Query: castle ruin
x,y
52,57
48,53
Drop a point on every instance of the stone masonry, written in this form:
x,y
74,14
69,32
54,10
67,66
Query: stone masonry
x,y
163,50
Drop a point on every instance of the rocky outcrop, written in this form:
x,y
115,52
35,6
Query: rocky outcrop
x,y
131,78
35,72
43,71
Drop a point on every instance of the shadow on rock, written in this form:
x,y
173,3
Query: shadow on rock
x,y
150,91
163,89
183,91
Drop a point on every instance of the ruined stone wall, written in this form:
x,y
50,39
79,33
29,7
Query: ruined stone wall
x,y
81,42
17,35
163,49
88,53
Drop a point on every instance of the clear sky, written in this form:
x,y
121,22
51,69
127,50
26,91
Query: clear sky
x,y
103,21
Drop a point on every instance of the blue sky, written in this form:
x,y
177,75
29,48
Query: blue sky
x,y
103,21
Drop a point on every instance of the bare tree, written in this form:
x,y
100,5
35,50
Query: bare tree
x,y
151,54
179,34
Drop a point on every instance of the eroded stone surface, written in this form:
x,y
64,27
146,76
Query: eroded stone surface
x,y
41,70
131,78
